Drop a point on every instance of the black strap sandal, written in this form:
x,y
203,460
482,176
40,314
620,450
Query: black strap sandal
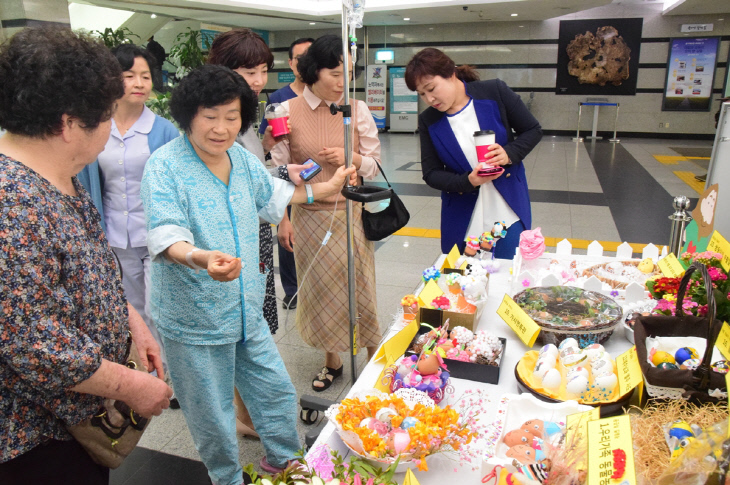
x,y
327,376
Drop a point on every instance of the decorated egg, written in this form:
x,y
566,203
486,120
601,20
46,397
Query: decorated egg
x,y
690,364
680,429
582,371
549,349
606,382
601,367
661,356
646,265
568,351
428,365
721,367
535,427
384,415
681,445
600,355
365,423
524,454
577,385
398,440
574,360
408,422
593,349
541,368
552,379
667,366
518,437
568,342
685,353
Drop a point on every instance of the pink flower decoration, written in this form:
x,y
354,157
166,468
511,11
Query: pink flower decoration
x,y
532,244
525,283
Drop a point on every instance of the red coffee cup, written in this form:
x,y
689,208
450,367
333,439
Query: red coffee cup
x,y
279,126
483,139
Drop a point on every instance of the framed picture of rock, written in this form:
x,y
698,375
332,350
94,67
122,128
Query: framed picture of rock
x,y
598,57
690,74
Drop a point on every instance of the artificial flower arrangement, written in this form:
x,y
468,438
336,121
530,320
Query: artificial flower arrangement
x,y
665,289
409,427
323,466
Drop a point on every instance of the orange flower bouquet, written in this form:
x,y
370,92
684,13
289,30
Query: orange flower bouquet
x,y
406,425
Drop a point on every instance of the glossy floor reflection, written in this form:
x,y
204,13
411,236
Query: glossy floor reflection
x,y
582,191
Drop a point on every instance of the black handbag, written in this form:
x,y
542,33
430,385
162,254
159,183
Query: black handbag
x,y
379,225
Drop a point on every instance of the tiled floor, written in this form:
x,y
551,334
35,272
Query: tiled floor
x,y
587,191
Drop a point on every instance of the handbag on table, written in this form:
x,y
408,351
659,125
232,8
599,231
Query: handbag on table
x,y
694,385
379,225
111,434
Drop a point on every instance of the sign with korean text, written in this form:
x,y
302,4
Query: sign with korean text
x,y
628,371
719,244
723,341
670,266
611,452
519,321
697,28
285,77
690,74
375,89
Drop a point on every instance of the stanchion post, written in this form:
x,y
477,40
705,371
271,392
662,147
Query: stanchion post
x,y
615,127
577,131
679,219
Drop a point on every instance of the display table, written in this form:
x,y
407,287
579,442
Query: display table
x,y
444,466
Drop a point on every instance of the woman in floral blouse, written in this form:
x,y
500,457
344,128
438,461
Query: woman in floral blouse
x,y
64,321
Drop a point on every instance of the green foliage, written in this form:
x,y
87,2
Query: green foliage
x,y
161,105
298,473
113,38
186,54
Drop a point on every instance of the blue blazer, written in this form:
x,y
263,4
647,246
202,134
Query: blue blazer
x,y
446,168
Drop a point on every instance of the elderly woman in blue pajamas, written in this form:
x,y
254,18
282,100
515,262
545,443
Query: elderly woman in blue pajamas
x,y
203,195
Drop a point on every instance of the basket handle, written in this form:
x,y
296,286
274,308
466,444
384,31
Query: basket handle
x,y
702,373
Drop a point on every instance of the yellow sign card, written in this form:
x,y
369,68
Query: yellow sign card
x,y
429,292
628,371
452,257
519,321
719,244
723,341
609,441
392,349
410,478
670,266
727,386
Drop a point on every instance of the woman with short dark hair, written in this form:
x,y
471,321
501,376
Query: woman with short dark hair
x,y
116,175
461,105
64,323
322,307
203,196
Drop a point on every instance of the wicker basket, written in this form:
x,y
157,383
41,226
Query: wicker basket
x,y
595,333
614,283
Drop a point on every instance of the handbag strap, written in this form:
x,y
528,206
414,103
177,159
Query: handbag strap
x,y
702,373
383,172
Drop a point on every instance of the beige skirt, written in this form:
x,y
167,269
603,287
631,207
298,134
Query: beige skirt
x,y
323,302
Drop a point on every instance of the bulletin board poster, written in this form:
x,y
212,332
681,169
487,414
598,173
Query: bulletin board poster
x,y
376,79
726,86
403,103
690,74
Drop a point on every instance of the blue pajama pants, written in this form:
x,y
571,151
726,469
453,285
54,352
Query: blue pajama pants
x,y
204,377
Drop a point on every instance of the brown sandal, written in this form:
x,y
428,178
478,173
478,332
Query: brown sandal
x,y
327,376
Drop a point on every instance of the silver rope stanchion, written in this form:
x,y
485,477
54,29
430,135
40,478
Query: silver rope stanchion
x,y
615,128
577,131
679,219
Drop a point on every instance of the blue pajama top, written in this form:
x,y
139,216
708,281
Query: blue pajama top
x,y
184,201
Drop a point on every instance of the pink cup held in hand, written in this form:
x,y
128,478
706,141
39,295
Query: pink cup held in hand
x,y
484,139
277,119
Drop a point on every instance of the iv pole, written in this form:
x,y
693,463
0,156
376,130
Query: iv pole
x,y
352,11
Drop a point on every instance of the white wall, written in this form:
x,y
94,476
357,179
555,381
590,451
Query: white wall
x,y
90,17
639,113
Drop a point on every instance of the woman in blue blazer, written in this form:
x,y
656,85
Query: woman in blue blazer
x,y
460,105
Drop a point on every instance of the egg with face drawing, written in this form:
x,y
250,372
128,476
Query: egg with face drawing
x,y
523,453
518,437
535,427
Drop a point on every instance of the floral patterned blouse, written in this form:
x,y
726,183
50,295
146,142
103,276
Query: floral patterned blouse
x,y
62,308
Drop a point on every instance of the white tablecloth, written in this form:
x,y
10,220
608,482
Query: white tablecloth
x,y
444,467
